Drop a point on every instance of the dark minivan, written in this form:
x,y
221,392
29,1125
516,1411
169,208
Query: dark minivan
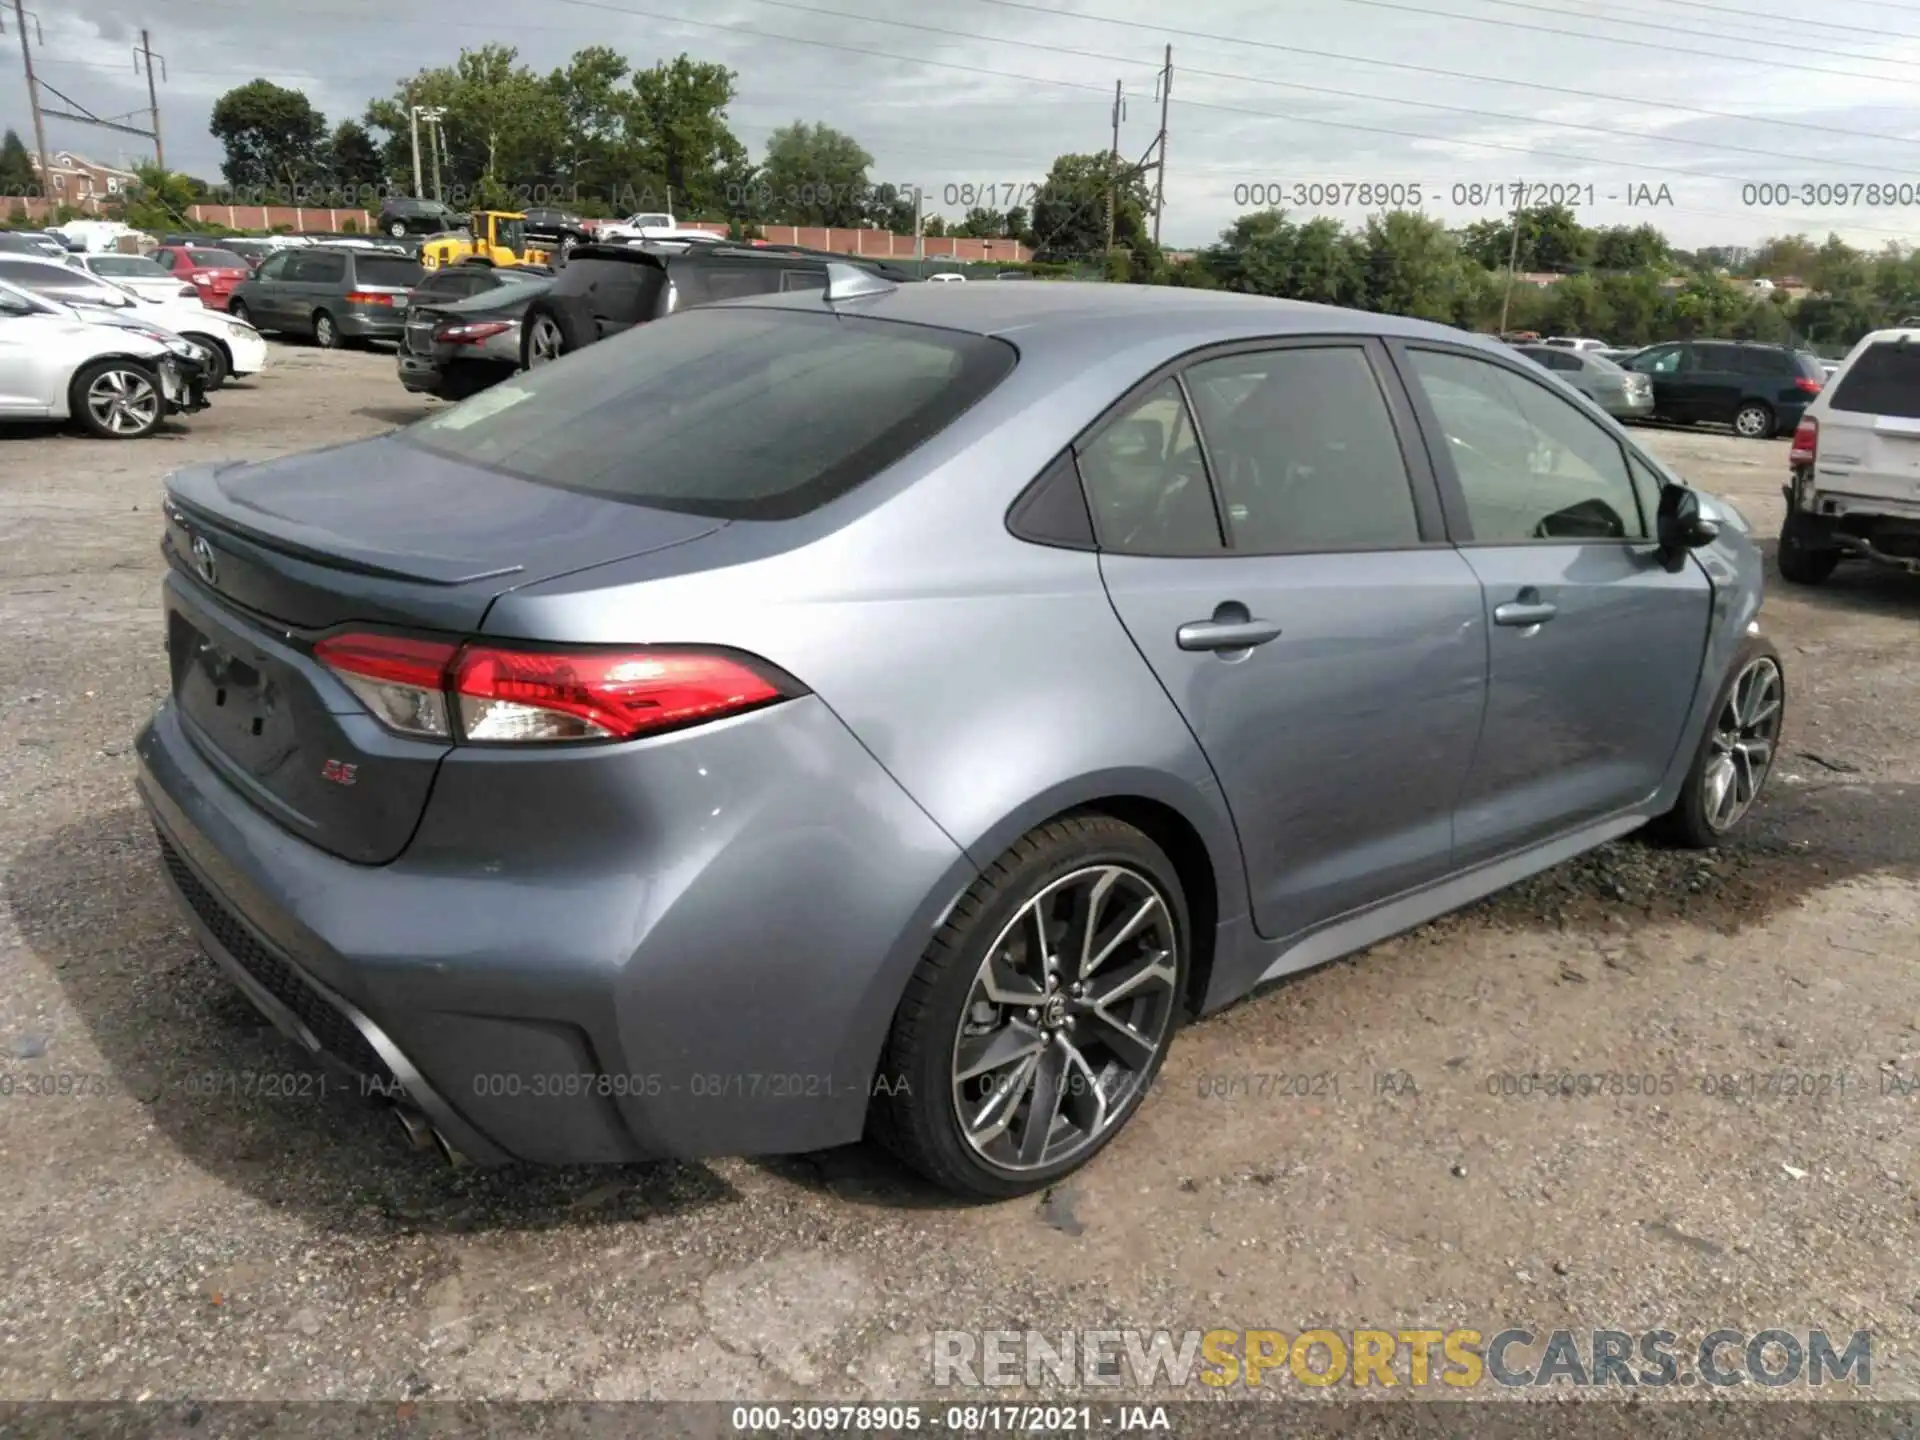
x,y
1760,390
334,294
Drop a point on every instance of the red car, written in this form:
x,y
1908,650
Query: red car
x,y
212,272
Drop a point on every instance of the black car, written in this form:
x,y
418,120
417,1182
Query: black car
x,y
401,217
559,230
1760,390
463,328
604,289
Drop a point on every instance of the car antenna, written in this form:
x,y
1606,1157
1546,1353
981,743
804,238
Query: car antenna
x,y
850,282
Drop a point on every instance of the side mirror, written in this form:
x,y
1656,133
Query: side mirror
x,y
1681,525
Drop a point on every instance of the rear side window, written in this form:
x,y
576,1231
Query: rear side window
x,y
1885,380
386,270
746,414
318,269
730,282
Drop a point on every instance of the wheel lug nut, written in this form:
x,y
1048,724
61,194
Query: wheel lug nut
x,y
1032,1015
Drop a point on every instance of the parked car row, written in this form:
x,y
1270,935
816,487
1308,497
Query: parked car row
x,y
1760,390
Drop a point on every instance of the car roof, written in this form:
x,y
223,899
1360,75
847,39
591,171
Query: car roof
x,y
1111,315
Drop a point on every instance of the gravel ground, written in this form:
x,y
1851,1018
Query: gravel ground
x,y
163,1242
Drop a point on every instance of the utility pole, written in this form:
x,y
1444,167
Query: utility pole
x,y
919,234
153,99
1160,165
413,122
1513,260
1113,160
33,100
434,144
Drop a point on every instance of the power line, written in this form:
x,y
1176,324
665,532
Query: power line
x,y
1611,99
1663,48
1796,22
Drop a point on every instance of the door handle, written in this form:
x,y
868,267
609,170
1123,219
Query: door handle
x,y
1225,634
1524,613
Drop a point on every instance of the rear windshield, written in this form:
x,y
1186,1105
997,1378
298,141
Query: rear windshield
x,y
386,270
215,259
749,414
1885,380
136,267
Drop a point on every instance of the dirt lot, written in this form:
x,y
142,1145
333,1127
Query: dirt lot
x,y
162,1241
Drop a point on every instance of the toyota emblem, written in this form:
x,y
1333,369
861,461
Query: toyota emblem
x,y
203,558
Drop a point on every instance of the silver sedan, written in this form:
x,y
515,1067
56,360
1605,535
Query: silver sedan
x,y
1621,393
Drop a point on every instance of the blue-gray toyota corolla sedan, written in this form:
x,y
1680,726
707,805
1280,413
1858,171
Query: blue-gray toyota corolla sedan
x,y
894,711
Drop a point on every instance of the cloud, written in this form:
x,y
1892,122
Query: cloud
x,y
992,105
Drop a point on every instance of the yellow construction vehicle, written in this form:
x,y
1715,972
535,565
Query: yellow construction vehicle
x,y
492,237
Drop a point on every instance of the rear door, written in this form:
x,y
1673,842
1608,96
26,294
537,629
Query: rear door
x,y
1869,443
1718,380
1594,646
1275,549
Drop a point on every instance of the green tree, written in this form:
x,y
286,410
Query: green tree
x,y
498,120
983,224
679,119
816,175
159,201
1783,255
1070,211
354,161
1413,266
1640,247
1551,238
595,149
16,166
272,136
1017,226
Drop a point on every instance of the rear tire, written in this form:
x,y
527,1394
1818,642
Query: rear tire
x,y
542,339
220,367
398,229
326,331
968,1063
1754,421
1736,754
1801,563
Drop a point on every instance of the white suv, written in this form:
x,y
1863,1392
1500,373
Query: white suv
x,y
1855,461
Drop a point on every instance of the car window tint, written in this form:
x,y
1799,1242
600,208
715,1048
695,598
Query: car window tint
x,y
1307,459
728,282
319,269
1659,362
1531,466
1884,380
275,267
803,279
1146,481
386,270
1647,485
1717,359
1762,362
753,414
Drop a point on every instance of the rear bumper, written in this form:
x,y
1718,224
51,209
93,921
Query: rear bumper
x,y
368,325
1628,407
688,946
452,376
1886,533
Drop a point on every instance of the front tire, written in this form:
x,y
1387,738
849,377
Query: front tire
x,y
398,229
1040,1014
1736,754
1753,421
116,400
238,309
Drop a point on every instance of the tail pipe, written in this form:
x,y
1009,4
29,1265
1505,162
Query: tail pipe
x,y
421,1135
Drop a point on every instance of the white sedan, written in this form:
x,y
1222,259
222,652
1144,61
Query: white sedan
x,y
116,382
232,346
146,278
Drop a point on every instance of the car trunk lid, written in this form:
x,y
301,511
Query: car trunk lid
x,y
266,558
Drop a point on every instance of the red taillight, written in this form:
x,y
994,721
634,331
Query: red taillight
x,y
600,694
473,333
1806,443
368,297
499,695
1811,386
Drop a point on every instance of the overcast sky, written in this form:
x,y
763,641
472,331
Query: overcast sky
x,y
1013,84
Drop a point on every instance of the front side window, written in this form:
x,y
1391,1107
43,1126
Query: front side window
x,y
751,414
1669,360
1531,465
1304,451
1146,481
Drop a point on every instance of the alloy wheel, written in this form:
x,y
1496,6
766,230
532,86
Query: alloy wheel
x,y
1066,1018
544,342
124,401
1752,423
1745,735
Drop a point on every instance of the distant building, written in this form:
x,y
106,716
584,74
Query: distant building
x,y
76,179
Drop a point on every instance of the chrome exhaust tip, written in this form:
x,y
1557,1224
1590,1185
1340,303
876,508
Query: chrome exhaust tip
x,y
419,1133
454,1158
